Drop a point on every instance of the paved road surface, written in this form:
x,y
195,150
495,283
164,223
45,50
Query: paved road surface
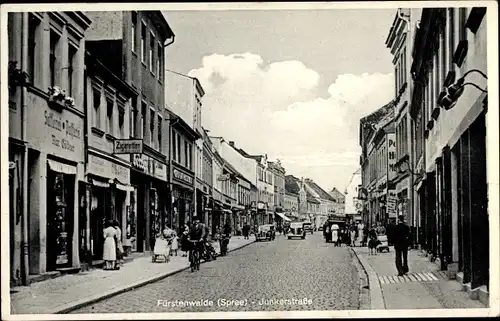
x,y
282,269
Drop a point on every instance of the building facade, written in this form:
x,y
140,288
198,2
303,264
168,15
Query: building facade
x,y
107,172
278,172
451,134
326,202
46,140
339,202
139,39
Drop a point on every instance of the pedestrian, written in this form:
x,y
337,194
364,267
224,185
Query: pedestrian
x,y
184,242
400,238
245,231
109,247
390,232
353,236
119,244
175,243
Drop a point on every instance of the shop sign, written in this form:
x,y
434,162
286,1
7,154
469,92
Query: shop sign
x,y
391,156
178,175
149,166
54,132
391,204
104,168
128,146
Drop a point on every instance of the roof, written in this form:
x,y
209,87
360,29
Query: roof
x,y
312,199
321,192
368,122
292,185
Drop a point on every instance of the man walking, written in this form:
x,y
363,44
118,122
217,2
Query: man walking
x,y
400,238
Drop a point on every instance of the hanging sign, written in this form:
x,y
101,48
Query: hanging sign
x,y
128,146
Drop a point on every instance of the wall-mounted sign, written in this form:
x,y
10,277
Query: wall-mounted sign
x,y
391,204
128,146
149,166
104,168
185,178
391,156
223,177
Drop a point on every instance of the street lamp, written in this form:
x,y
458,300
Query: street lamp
x,y
451,93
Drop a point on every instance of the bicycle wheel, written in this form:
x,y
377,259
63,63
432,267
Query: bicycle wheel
x,y
198,261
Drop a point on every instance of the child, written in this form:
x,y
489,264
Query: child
x,y
175,243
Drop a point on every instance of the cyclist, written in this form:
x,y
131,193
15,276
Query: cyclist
x,y
197,233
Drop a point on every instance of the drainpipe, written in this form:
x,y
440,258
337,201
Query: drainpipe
x,y
24,64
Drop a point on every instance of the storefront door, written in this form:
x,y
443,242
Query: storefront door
x,y
60,200
98,206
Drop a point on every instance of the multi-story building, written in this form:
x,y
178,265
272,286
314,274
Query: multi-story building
x,y
449,107
207,178
376,131
278,173
326,202
46,140
291,203
183,95
107,171
308,206
339,202
131,45
400,41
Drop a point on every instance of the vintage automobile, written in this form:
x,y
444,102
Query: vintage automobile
x,y
308,227
297,230
265,232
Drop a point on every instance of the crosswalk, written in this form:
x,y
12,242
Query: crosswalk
x,y
412,277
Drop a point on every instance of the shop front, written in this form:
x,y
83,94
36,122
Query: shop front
x,y
147,213
182,187
55,167
108,198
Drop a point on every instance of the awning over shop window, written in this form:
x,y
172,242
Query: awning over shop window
x,y
61,168
99,183
126,188
283,217
227,211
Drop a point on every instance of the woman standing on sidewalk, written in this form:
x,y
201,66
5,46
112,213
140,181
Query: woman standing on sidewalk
x,y
119,245
109,249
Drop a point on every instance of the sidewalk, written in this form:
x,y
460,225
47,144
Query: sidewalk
x,y
68,292
424,287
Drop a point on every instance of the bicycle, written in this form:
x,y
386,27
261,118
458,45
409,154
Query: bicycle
x,y
194,255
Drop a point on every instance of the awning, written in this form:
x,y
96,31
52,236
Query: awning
x,y
99,183
126,188
227,211
283,217
61,168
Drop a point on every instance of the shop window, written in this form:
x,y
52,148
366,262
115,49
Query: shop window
x,y
133,30
109,122
97,111
54,40
71,65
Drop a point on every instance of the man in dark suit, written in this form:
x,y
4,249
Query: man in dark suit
x,y
400,237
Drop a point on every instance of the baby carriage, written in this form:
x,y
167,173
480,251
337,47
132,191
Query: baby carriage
x,y
383,245
161,249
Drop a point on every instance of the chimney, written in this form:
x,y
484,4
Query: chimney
x,y
231,143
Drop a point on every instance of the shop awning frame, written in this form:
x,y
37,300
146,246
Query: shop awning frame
x,y
283,217
61,167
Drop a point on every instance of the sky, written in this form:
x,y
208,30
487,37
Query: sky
x,y
289,84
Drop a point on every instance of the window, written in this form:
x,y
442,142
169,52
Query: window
x,y
133,29
190,156
33,25
160,125
179,149
152,120
144,108
186,150
54,39
159,61
451,36
143,42
71,63
396,79
174,145
133,120
97,103
151,52
121,122
109,104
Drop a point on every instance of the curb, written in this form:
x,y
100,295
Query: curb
x,y
66,308
376,296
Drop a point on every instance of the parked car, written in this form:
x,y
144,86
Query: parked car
x,y
266,232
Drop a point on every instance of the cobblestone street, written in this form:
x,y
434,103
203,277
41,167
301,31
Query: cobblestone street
x,y
282,269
